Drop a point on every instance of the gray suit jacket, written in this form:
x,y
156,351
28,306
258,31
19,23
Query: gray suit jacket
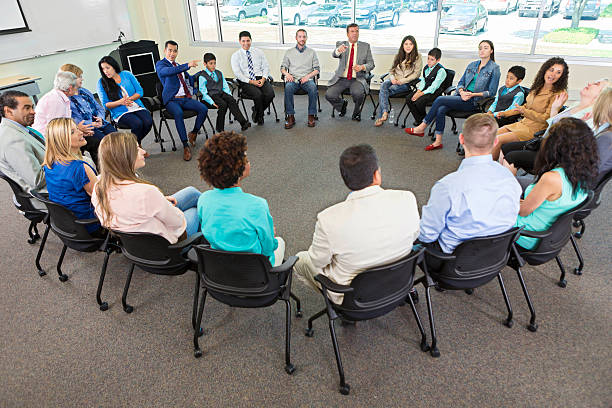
x,y
363,57
21,157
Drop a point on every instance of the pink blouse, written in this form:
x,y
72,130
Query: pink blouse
x,y
138,207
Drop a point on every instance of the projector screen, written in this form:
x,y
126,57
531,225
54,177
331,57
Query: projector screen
x,y
12,19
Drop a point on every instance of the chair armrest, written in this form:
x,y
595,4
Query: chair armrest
x,y
328,284
270,78
449,90
383,76
539,133
439,255
369,76
285,266
193,240
88,221
535,234
148,102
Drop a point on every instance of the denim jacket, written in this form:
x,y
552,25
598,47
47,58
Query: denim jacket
x,y
486,82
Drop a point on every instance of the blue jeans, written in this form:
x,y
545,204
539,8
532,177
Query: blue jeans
x,y
291,88
103,130
443,104
140,123
176,106
387,89
187,202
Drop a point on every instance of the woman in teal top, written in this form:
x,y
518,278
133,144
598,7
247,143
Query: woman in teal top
x,y
231,219
566,167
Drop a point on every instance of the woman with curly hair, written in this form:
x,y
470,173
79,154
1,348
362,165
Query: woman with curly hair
x,y
406,67
231,219
549,85
566,168
127,203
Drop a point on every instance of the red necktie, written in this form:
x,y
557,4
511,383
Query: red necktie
x,y
180,76
349,74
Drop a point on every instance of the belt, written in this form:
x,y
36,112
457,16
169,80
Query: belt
x,y
182,96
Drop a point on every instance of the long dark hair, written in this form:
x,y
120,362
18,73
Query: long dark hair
x,y
570,145
401,54
492,57
560,85
110,86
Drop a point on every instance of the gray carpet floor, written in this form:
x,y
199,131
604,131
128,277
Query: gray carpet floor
x,y
59,349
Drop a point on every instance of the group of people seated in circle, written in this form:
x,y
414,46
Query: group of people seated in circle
x,y
42,150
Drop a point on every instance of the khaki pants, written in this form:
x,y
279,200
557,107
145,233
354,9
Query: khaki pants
x,y
305,271
279,253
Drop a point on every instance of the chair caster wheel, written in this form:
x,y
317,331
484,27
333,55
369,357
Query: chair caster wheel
x,y
31,241
290,369
41,272
128,309
439,289
562,283
532,327
104,306
469,291
577,271
508,323
345,389
309,332
424,346
63,277
201,332
174,149
415,297
435,353
277,120
197,353
298,314
163,149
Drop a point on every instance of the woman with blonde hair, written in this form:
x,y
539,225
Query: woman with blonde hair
x,y
602,118
70,179
125,202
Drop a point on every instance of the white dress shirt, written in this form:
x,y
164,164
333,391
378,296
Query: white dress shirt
x,y
240,64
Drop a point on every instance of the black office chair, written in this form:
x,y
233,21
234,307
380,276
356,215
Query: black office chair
x,y
401,95
582,214
198,94
347,91
552,241
154,254
472,264
73,234
241,97
23,203
303,92
372,293
240,279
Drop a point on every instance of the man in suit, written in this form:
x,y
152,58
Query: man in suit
x,y
22,149
177,94
372,227
355,62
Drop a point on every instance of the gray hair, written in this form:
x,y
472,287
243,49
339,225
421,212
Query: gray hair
x,y
64,80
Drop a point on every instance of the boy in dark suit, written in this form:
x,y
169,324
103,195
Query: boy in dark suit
x,y
509,97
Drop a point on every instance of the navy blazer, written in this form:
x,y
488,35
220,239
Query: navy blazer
x,y
167,74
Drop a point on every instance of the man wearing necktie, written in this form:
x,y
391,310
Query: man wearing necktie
x,y
252,70
176,94
22,149
355,62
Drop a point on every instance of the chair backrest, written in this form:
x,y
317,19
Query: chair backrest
x,y
151,253
64,225
525,92
448,81
237,277
477,261
596,197
23,199
560,231
159,89
379,290
196,85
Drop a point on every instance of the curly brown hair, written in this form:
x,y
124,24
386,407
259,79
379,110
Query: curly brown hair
x,y
223,159
570,145
560,85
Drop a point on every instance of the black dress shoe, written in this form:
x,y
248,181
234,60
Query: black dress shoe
x,y
357,117
245,126
343,109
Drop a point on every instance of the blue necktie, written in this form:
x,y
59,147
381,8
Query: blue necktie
x,y
214,76
251,71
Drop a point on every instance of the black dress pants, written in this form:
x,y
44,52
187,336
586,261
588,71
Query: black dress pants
x,y
261,97
225,102
92,147
515,153
418,107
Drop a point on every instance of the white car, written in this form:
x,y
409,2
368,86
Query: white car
x,y
241,9
500,6
294,11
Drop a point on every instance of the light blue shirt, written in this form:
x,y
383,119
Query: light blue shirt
x,y
481,198
440,77
235,221
202,86
517,101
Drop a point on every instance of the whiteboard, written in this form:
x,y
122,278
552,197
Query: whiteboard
x,y
65,25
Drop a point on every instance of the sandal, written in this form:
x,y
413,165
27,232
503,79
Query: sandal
x,y
382,119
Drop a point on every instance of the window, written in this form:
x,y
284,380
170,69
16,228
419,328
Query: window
x,y
324,21
248,15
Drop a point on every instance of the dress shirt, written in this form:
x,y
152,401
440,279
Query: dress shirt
x,y
204,91
240,64
348,58
481,198
54,104
139,207
235,221
517,101
440,77
84,107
